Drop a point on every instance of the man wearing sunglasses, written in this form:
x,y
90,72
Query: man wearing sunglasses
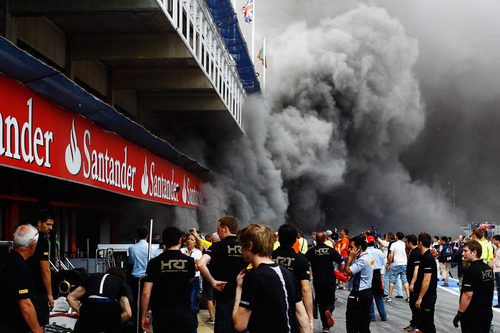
x,y
39,263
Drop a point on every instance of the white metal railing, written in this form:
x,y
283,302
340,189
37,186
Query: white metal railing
x,y
194,23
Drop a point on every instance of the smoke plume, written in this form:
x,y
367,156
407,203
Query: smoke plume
x,y
323,145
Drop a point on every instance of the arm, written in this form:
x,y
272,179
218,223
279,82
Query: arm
x,y
413,278
46,278
202,266
383,242
352,255
305,326
73,298
241,315
307,298
146,294
126,310
389,260
425,285
465,301
29,314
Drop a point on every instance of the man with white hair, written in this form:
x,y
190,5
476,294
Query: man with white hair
x,y
17,313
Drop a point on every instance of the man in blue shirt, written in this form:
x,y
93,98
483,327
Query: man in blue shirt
x,y
138,258
360,267
377,286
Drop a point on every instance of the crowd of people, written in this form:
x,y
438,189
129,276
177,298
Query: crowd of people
x,y
256,280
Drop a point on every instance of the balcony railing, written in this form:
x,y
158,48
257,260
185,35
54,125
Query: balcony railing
x,y
194,24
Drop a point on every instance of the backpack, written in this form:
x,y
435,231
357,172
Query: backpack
x,y
446,254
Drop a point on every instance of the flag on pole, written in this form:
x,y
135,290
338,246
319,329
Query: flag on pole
x,y
262,57
247,10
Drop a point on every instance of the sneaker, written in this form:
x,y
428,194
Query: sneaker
x,y
388,299
496,306
409,328
209,321
329,318
407,299
399,296
383,318
325,330
373,319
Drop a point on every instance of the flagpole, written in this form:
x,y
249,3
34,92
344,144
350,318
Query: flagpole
x,y
265,64
253,34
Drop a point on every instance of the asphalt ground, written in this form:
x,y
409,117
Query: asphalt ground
x,y
398,313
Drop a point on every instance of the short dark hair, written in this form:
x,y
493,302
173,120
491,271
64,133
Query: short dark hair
x,y
43,215
142,232
230,222
117,272
171,236
400,235
444,238
346,231
287,234
425,238
412,239
474,245
391,235
359,241
496,237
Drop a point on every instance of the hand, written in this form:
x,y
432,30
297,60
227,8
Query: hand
x,y
311,326
240,277
354,254
146,324
219,285
388,267
457,318
412,287
51,302
418,303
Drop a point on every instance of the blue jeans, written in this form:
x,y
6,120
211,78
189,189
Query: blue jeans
x,y
379,301
195,289
396,271
386,285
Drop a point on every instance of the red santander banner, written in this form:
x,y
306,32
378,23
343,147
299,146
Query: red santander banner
x,y
41,137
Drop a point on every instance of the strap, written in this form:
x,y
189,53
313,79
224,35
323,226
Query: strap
x,y
101,287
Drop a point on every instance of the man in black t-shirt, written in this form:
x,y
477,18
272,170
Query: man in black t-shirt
x,y
226,261
167,285
411,276
17,313
39,263
267,299
322,258
426,284
105,305
295,263
474,312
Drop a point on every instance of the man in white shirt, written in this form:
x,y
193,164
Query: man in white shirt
x,y
397,256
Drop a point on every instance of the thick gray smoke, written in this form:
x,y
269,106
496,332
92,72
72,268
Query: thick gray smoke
x,y
323,146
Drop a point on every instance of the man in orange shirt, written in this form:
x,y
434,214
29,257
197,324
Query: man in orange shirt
x,y
344,246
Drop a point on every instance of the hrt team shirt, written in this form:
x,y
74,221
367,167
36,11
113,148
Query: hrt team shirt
x,y
322,258
41,254
171,273
413,261
294,262
270,292
479,278
17,284
225,264
427,265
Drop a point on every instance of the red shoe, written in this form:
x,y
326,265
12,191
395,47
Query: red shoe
x,y
329,318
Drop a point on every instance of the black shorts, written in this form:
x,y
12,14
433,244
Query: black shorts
x,y
96,317
41,304
208,291
177,319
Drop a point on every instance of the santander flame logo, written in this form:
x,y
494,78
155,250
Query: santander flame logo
x,y
73,156
184,192
144,179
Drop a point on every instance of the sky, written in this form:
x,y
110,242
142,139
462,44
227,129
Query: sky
x,y
376,113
